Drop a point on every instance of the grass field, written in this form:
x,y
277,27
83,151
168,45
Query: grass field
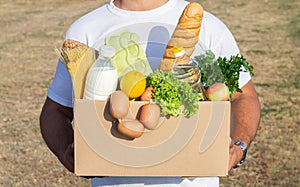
x,y
267,32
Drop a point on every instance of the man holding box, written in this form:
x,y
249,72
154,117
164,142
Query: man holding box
x,y
57,114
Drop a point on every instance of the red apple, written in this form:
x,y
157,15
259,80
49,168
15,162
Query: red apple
x,y
218,92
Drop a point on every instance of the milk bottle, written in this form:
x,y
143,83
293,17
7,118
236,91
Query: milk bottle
x,y
102,78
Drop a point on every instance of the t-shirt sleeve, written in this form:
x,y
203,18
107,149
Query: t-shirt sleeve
x,y
61,89
224,45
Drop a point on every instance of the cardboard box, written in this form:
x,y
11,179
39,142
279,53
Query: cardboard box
x,y
196,146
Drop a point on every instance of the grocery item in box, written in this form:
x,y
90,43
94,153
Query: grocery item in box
x,y
129,54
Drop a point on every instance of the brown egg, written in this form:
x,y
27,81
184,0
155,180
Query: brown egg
x,y
119,104
149,116
131,128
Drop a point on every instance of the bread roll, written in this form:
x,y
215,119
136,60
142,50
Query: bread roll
x,y
186,34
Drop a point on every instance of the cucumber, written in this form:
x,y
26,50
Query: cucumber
x,y
129,54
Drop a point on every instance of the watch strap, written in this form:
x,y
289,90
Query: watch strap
x,y
244,149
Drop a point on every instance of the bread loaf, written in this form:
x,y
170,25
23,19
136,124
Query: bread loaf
x,y
78,58
71,44
186,34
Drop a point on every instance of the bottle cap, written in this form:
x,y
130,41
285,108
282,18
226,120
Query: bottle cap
x,y
107,51
178,51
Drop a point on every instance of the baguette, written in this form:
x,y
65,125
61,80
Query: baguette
x,y
186,34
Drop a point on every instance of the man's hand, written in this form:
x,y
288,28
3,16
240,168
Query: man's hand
x,y
235,155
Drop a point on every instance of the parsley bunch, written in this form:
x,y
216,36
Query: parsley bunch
x,y
222,70
171,94
231,69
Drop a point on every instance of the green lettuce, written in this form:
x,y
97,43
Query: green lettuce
x,y
173,96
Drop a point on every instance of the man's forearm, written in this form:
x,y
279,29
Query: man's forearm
x,y
245,115
56,129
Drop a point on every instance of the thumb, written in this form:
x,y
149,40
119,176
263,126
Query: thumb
x,y
231,144
69,158
70,149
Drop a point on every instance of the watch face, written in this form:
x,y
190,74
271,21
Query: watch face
x,y
242,145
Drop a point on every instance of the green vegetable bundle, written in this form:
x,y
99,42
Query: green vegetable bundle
x,y
222,70
171,94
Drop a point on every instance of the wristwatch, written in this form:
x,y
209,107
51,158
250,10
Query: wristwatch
x,y
244,149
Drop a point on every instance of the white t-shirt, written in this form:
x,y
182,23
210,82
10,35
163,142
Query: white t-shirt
x,y
155,182
154,27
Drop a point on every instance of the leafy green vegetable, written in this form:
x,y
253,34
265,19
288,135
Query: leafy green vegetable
x,y
231,71
222,70
171,94
209,69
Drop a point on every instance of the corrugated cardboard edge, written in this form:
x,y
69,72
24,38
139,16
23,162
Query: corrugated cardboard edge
x,y
200,157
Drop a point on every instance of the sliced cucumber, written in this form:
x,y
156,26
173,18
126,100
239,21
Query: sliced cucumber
x,y
129,54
